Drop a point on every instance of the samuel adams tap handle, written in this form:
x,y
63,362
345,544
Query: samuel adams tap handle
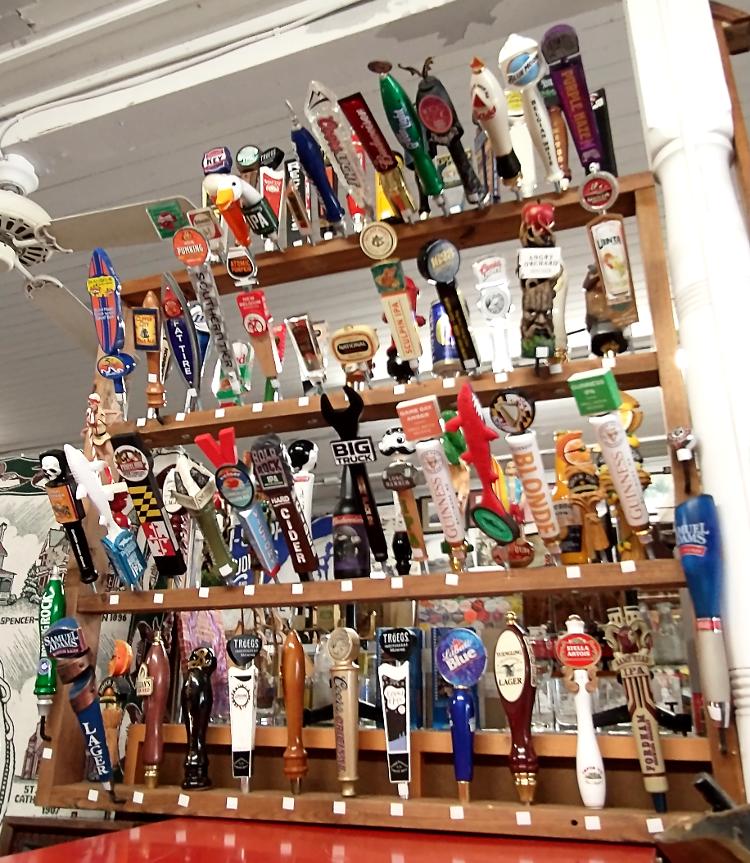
x,y
293,682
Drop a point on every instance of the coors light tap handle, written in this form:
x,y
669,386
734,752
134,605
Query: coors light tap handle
x,y
699,542
515,676
293,683
64,641
461,660
152,684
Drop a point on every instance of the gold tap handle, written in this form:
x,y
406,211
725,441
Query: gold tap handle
x,y
343,648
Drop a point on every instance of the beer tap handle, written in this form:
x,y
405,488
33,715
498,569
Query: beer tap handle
x,y
463,722
153,683
293,682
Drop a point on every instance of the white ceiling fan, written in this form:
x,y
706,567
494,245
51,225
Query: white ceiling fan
x,y
29,235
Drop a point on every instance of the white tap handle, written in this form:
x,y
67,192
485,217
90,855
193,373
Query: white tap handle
x,y
540,128
437,477
527,458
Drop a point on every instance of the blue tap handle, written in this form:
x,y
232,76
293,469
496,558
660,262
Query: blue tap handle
x,y
311,159
699,542
258,534
461,712
92,726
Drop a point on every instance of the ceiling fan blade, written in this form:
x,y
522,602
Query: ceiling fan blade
x,y
131,225
67,312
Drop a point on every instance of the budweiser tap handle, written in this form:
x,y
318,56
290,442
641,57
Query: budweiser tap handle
x,y
293,682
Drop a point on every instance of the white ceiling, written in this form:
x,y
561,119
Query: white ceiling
x,y
153,149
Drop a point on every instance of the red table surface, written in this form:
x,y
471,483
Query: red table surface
x,y
199,840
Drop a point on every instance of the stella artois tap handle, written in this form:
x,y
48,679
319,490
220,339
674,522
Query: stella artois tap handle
x,y
197,700
68,510
64,641
147,338
523,68
389,173
152,684
490,110
293,683
420,420
579,654
343,648
699,542
461,660
630,638
513,413
515,676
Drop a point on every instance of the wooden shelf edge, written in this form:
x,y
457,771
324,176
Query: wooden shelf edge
x,y
633,371
494,582
467,229
437,814
431,741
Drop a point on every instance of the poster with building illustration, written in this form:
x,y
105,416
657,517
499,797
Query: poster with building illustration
x,y
31,543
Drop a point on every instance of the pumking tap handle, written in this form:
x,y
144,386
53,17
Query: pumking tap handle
x,y
293,682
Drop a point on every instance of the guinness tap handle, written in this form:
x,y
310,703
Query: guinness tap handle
x,y
293,682
153,684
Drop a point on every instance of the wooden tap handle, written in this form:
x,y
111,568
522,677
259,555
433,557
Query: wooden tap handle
x,y
293,681
154,386
154,706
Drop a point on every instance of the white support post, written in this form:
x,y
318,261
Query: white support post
x,y
687,121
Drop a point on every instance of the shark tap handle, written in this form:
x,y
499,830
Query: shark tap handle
x,y
68,510
523,68
515,677
490,110
293,683
461,659
152,685
440,120
64,641
51,609
343,648
311,159
699,543
408,129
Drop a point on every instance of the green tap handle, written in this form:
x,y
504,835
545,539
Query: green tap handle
x,y
223,565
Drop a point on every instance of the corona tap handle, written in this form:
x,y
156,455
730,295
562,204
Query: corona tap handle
x,y
515,676
343,648
293,682
461,660
699,542
490,109
439,262
51,609
147,338
523,68
68,510
197,700
152,684
579,654
311,159
64,641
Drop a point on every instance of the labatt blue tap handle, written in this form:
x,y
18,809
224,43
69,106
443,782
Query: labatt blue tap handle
x,y
699,543
463,723
64,641
311,159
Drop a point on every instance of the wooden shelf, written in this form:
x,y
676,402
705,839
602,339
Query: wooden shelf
x,y
444,815
649,574
633,371
620,747
471,228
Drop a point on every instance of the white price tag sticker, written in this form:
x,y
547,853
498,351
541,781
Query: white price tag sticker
x,y
627,566
457,813
609,362
249,590
303,401
257,407
287,803
183,800
137,797
339,807
114,599
203,592
654,825
219,413
226,570
46,753
140,422
399,389
539,263
346,585
451,579
501,377
180,417
232,802
377,574
158,599
449,383
592,822
93,795
298,588
573,571
397,810
541,353
523,818
397,582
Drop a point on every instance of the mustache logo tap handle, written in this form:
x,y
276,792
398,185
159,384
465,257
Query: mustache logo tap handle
x,y
293,683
